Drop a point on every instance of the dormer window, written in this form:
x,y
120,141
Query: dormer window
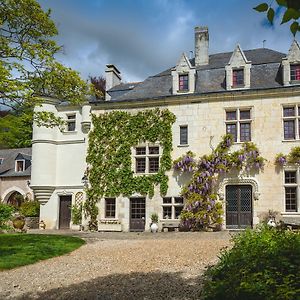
x,y
20,166
71,122
295,72
237,77
183,82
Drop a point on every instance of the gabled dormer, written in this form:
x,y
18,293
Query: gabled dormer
x,y
238,71
183,76
22,162
291,65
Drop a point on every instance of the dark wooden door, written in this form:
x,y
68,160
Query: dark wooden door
x,y
238,206
137,214
65,211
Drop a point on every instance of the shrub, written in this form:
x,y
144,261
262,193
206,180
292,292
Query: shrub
x,y
30,209
154,218
6,212
77,214
263,264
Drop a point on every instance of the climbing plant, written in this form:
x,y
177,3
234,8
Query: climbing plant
x,y
292,158
202,207
111,143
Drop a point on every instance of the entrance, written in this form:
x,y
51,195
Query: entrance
x,y
137,214
238,206
65,212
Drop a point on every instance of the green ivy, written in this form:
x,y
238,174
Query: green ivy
x,y
109,154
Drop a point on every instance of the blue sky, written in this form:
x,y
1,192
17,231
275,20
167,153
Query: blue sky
x,y
145,37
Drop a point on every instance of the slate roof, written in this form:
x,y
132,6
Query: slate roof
x,y
7,167
265,73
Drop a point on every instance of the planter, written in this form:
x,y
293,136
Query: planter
x,y
154,227
109,227
32,222
76,227
19,223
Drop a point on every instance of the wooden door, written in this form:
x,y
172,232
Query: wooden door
x,y
239,206
65,203
137,214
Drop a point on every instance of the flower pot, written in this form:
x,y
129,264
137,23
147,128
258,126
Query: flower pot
x,y
18,223
154,227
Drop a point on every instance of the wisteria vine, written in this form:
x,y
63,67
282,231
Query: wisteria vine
x,y
203,209
292,158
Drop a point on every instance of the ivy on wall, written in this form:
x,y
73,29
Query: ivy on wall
x,y
110,153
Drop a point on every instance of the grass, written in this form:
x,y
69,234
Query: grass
x,y
23,249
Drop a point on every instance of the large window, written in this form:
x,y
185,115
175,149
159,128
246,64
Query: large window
x,y
291,184
172,207
238,77
184,135
147,159
183,82
295,72
291,122
110,207
238,124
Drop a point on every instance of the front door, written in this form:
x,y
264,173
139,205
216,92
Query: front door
x,y
65,212
238,206
137,214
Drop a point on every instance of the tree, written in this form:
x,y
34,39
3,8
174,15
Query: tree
x,y
99,84
28,68
291,12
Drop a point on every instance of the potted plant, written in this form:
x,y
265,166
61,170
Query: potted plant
x,y
154,222
31,211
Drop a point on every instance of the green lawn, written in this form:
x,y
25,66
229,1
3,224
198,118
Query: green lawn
x,y
23,249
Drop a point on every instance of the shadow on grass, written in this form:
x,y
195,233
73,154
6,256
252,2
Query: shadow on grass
x,y
153,286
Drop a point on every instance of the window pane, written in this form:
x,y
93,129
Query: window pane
x,y
110,208
178,210
167,212
71,117
167,200
231,115
140,165
154,150
183,82
289,129
183,135
178,200
245,134
291,199
290,177
295,72
153,164
231,128
245,114
140,151
238,77
289,111
20,166
71,126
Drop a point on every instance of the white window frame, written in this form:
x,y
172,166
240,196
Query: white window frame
x,y
68,121
147,155
16,164
238,121
173,205
295,118
295,185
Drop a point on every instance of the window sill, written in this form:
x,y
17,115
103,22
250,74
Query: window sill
x,y
144,174
183,145
290,213
291,140
69,132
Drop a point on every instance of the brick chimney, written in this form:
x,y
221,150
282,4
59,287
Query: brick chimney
x,y
201,46
113,78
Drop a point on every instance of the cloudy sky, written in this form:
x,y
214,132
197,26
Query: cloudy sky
x,y
144,37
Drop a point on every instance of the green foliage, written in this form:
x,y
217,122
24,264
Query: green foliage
x,y
30,209
109,153
6,212
154,218
292,158
23,249
263,264
77,213
291,12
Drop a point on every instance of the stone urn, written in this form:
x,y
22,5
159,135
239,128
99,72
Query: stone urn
x,y
154,227
18,222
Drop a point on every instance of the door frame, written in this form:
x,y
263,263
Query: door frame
x,y
130,207
58,208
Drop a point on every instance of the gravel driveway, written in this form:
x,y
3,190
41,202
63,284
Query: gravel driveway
x,y
120,266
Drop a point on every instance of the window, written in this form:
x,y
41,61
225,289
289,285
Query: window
x,y
110,207
295,72
71,122
20,165
183,82
183,135
291,186
291,122
147,159
172,207
238,124
238,77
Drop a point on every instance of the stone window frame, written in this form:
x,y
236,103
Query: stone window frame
x,y
110,208
238,121
293,58
16,165
295,118
146,155
182,142
172,204
292,185
184,87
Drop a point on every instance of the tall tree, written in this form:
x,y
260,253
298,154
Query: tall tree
x,y
99,84
291,13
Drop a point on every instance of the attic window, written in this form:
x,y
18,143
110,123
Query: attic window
x,y
183,82
71,122
295,72
20,165
238,77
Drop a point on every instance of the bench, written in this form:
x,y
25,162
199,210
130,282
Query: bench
x,y
170,226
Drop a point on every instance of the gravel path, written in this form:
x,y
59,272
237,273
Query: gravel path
x,y
120,266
